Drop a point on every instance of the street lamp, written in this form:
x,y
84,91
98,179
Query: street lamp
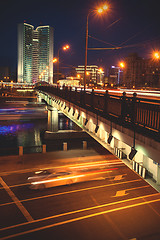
x,y
64,48
54,60
101,72
121,65
156,55
156,69
43,73
100,10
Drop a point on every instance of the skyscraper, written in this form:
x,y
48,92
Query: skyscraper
x,y
35,53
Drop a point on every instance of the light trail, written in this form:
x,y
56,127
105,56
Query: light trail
x,y
78,176
74,191
143,93
97,164
57,179
90,158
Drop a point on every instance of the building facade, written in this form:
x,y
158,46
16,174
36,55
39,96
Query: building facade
x,y
115,76
35,53
94,74
4,73
139,72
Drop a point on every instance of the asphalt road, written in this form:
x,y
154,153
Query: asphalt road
x,y
121,206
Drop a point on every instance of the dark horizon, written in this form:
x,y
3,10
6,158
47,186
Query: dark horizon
x,y
133,25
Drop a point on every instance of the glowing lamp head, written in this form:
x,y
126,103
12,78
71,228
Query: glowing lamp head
x,y
121,65
100,10
54,60
156,55
105,7
100,70
66,47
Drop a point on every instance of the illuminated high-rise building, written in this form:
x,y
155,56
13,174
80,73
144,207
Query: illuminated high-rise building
x,y
35,53
94,75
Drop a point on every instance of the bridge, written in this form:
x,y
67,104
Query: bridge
x,y
130,125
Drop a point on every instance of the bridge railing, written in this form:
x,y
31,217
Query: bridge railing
x,y
140,114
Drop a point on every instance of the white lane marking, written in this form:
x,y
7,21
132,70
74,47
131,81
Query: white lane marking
x,y
16,201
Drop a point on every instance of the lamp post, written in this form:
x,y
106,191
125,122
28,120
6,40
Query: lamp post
x,y
43,73
156,71
99,10
121,65
64,48
100,71
156,55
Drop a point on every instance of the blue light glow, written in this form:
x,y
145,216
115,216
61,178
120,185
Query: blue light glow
x,y
14,128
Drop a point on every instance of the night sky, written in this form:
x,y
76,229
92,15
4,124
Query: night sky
x,y
133,24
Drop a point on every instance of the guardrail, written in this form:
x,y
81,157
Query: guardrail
x,y
139,168
140,114
119,152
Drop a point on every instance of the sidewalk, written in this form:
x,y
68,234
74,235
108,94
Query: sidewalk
x,y
46,160
149,180
58,158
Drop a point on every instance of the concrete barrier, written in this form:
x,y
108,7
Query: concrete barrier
x,y
134,166
84,145
44,148
65,146
20,150
144,172
137,167
140,170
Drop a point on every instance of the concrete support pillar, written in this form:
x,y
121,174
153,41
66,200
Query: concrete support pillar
x,y
20,150
65,146
53,120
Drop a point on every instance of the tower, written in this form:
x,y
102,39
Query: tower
x,y
35,53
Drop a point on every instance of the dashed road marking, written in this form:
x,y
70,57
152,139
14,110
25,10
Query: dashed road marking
x,y
121,193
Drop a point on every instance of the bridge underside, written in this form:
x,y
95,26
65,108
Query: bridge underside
x,y
118,139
